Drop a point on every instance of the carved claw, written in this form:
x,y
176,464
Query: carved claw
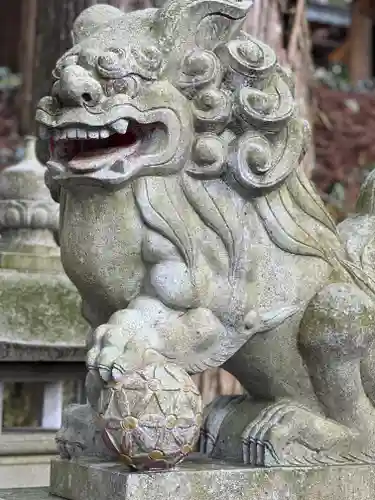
x,y
257,437
288,433
69,449
114,352
109,344
284,433
129,361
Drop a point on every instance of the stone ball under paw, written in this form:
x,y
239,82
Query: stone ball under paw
x,y
151,417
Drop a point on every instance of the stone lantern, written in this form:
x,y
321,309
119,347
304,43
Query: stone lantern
x,y
42,333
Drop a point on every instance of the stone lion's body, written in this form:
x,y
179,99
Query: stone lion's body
x,y
94,248
216,250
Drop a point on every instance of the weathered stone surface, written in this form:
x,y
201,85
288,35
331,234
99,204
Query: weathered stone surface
x,y
20,352
40,308
25,494
42,332
191,231
25,471
205,480
40,316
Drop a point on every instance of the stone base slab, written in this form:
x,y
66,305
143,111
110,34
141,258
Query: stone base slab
x,y
26,494
200,479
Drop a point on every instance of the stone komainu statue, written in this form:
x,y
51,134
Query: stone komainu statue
x,y
191,231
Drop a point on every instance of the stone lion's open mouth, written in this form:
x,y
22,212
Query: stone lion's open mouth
x,y
110,145
84,149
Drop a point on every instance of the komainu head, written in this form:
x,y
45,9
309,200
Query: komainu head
x,y
161,91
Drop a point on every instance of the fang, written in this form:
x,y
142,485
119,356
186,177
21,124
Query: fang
x,y
120,126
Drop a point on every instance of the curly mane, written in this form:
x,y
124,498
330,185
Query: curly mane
x,y
248,146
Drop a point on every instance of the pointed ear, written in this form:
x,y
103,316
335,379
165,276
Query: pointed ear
x,y
91,19
201,22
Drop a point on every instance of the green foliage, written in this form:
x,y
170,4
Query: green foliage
x,y
8,80
336,77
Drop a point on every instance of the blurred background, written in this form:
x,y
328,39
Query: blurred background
x,y
330,46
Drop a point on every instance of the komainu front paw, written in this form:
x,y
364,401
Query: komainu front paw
x,y
109,343
115,351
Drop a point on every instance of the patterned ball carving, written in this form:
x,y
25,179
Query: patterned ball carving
x,y
151,418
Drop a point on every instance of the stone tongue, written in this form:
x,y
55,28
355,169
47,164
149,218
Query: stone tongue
x,y
93,160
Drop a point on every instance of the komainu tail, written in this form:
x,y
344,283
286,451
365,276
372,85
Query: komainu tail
x,y
358,230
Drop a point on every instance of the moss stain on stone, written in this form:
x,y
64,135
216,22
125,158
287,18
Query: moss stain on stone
x,y
40,308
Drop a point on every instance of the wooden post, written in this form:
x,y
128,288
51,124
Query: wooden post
x,y
360,40
10,29
1,405
27,47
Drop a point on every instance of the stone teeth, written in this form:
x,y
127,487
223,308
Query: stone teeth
x,y
104,133
120,126
81,134
72,133
93,134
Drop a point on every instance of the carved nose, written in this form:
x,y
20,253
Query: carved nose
x,y
76,87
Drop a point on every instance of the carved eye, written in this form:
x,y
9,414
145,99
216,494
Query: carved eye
x,y
109,65
68,60
118,51
128,85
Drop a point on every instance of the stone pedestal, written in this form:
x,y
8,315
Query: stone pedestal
x,y
42,332
199,479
